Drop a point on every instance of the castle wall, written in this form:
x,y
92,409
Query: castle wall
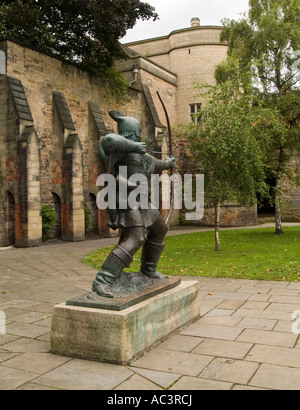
x,y
192,54
290,201
67,110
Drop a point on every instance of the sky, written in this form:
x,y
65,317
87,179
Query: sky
x,y
177,14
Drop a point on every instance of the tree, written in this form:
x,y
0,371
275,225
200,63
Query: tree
x,y
226,144
266,43
86,32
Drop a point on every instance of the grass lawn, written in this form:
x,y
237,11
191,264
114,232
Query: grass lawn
x,y
245,254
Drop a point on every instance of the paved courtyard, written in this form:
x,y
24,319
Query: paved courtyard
x,y
243,340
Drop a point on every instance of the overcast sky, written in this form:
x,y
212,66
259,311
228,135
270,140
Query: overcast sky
x,y
177,14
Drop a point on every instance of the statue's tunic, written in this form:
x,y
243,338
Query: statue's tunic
x,y
119,152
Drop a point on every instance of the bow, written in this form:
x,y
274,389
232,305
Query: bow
x,y
170,155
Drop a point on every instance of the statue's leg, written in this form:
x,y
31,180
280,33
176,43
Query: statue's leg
x,y
119,259
109,273
153,249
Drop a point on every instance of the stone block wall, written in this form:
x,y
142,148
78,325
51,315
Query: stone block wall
x,y
50,129
290,206
194,64
20,205
192,54
231,216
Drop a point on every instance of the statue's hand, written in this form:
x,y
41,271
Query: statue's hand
x,y
171,162
141,147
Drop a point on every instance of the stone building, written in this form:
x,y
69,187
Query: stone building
x,y
53,115
192,54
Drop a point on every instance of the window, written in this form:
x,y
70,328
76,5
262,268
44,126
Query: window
x,y
195,113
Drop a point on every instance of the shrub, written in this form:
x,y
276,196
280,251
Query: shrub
x,y
48,220
87,216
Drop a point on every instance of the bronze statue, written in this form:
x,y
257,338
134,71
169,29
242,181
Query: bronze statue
x,y
127,150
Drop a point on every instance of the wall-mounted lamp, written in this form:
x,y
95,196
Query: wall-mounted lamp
x,y
135,72
2,62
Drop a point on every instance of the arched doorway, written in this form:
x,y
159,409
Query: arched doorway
x,y
91,216
266,206
56,205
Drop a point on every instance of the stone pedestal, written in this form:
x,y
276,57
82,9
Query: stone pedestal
x,y
122,336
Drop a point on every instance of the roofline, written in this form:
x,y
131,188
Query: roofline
x,y
172,32
33,48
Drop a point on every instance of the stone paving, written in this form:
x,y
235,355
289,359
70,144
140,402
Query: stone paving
x,y
243,340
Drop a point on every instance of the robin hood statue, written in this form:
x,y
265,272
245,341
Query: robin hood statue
x,y
127,150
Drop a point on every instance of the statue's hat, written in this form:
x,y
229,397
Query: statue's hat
x,y
127,126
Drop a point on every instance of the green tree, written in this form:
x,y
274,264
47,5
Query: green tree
x,y
226,143
266,43
86,32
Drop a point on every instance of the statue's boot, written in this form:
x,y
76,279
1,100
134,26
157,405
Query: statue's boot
x,y
110,272
151,254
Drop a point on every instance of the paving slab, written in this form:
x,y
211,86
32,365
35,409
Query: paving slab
x,y
11,378
196,383
224,348
275,355
212,331
35,362
221,320
85,375
136,383
181,343
228,370
277,377
162,379
174,362
257,323
26,345
268,338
